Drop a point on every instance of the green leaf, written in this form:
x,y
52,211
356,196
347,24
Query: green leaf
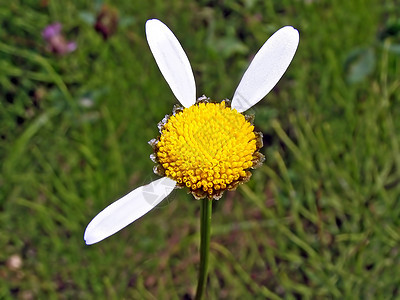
x,y
87,17
394,49
359,64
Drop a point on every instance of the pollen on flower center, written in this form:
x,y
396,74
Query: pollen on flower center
x,y
208,148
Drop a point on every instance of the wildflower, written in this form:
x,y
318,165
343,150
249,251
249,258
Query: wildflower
x,y
207,147
56,42
107,21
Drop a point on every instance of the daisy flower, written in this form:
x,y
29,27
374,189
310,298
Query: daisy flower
x,y
203,146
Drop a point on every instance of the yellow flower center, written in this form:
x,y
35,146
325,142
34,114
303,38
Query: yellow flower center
x,y
207,146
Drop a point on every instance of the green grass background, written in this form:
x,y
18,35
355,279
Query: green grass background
x,y
319,220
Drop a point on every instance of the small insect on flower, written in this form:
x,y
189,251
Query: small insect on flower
x,y
206,147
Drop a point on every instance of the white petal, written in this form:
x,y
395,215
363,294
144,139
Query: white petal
x,y
267,67
127,209
172,61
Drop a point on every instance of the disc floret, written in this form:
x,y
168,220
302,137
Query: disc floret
x,y
207,147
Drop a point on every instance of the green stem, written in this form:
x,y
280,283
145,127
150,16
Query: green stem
x,y
205,233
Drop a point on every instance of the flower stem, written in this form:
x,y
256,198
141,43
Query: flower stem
x,y
205,233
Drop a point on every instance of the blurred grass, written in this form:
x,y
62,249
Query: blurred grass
x,y
319,220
